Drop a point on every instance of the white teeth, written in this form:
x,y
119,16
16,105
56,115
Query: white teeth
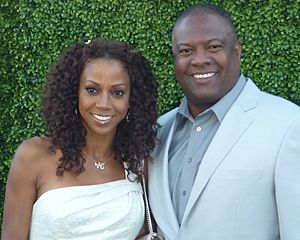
x,y
203,75
102,118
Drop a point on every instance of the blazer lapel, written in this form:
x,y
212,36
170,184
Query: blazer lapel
x,y
159,183
235,123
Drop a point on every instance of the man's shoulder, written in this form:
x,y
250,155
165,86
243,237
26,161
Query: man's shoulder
x,y
278,109
269,98
268,102
168,117
165,122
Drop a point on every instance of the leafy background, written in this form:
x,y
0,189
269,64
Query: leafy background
x,y
34,32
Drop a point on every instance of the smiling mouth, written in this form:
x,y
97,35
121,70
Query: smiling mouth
x,y
102,117
204,75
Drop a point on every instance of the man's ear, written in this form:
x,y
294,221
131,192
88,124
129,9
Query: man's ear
x,y
238,49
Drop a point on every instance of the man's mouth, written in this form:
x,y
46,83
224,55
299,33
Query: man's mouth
x,y
204,75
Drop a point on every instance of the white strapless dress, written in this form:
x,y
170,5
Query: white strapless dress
x,y
113,211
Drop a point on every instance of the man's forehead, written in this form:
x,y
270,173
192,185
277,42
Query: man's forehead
x,y
202,18
202,25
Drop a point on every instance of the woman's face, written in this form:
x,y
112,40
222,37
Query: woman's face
x,y
103,96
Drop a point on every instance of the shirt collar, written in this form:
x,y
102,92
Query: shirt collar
x,y
221,107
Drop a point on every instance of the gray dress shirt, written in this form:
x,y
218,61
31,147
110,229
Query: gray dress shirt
x,y
190,141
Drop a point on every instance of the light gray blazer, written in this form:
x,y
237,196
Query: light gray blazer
x,y
248,183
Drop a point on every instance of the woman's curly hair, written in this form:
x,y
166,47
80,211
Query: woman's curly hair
x,y
135,138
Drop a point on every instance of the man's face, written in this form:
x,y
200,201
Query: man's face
x,y
207,59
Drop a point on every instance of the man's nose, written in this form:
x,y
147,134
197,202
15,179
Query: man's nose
x,y
200,57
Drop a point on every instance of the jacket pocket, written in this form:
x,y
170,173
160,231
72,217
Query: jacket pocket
x,y
232,174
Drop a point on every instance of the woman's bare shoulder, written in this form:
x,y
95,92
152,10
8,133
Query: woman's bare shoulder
x,y
32,150
34,145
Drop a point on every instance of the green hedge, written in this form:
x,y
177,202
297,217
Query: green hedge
x,y
33,32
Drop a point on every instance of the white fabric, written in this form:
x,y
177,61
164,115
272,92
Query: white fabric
x,y
113,210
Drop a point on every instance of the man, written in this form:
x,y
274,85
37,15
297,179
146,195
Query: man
x,y
227,163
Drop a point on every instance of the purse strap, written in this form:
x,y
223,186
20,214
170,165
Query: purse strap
x,y
149,221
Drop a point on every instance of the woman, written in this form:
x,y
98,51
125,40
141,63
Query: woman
x,y
82,180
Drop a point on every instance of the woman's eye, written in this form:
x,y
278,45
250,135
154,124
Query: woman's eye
x,y
118,93
91,90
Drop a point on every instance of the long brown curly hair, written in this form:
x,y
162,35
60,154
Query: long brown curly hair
x,y
135,139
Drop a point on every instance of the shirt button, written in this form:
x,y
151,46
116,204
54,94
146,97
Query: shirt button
x,y
183,193
190,160
198,129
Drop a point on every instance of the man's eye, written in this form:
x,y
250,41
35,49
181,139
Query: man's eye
x,y
91,90
215,48
185,51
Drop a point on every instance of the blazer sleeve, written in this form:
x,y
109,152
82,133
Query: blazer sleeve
x,y
287,183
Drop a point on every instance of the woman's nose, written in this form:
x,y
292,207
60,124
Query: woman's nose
x,y
103,100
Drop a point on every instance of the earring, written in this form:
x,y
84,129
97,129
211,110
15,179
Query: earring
x,y
76,112
127,118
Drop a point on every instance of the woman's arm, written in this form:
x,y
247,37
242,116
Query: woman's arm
x,y
20,194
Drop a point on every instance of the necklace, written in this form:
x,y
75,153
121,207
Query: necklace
x,y
99,165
